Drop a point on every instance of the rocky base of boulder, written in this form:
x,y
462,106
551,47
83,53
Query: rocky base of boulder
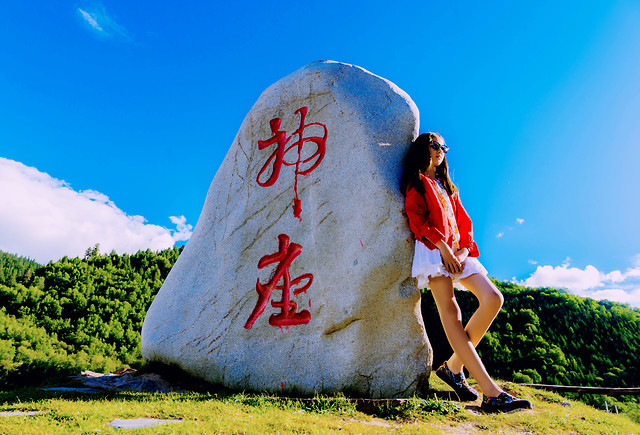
x,y
125,379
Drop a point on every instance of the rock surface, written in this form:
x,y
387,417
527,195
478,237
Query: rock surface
x,y
298,274
127,380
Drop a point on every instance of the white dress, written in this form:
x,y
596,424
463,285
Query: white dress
x,y
428,262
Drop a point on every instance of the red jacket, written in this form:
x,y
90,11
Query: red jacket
x,y
428,221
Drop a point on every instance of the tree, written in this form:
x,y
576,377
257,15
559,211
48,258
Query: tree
x,y
92,252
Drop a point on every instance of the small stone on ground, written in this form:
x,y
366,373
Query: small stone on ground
x,y
15,413
138,423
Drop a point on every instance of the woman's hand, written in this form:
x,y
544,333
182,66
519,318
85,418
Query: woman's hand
x,y
451,262
461,255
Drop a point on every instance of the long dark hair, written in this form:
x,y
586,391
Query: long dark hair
x,y
417,161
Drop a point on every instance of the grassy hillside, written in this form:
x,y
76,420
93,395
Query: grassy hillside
x,y
75,313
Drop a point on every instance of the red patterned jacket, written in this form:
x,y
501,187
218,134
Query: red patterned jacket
x,y
428,221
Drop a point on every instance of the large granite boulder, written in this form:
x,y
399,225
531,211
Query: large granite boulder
x,y
298,273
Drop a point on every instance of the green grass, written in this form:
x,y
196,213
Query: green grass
x,y
253,413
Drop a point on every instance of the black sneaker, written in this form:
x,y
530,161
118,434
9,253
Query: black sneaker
x,y
458,382
504,403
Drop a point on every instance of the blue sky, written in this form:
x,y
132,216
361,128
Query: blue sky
x,y
120,113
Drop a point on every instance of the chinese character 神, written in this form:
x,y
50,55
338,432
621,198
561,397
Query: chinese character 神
x,y
278,157
287,315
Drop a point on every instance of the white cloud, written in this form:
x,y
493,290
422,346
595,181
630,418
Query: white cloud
x,y
97,17
616,286
91,19
565,277
183,230
533,262
631,297
41,217
502,233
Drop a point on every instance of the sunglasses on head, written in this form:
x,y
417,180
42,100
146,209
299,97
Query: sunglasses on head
x,y
438,146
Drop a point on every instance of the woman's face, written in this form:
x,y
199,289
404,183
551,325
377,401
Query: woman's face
x,y
437,156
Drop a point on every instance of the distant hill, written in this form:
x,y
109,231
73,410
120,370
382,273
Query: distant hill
x,y
87,313
546,335
76,314
14,267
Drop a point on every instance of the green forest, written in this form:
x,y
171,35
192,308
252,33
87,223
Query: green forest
x,y
86,313
76,313
549,336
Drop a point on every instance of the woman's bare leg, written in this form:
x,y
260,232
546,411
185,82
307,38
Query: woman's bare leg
x,y
490,301
442,290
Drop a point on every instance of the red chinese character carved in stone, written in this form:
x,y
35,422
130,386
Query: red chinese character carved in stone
x,y
277,159
287,316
